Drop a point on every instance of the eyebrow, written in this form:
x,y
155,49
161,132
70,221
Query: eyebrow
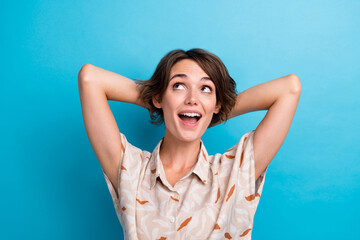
x,y
181,75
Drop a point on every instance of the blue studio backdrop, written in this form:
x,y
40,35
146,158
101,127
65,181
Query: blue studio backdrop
x,y
52,186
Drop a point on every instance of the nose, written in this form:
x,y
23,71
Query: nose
x,y
191,97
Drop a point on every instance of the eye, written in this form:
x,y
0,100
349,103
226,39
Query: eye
x,y
178,86
206,89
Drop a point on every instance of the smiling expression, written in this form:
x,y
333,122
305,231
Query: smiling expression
x,y
188,102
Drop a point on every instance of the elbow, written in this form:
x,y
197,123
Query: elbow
x,y
83,75
295,86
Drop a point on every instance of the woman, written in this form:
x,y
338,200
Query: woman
x,y
178,191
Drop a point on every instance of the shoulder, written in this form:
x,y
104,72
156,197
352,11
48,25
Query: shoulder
x,y
244,144
243,148
132,153
127,146
241,152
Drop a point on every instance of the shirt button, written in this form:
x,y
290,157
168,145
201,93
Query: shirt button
x,y
172,219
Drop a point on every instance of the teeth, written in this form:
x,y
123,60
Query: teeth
x,y
191,114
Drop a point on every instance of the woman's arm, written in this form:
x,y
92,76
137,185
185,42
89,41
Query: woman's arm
x,y
96,87
115,86
280,98
264,95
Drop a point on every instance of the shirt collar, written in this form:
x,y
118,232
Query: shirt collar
x,y
201,168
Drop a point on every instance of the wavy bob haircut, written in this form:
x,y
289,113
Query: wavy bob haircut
x,y
211,65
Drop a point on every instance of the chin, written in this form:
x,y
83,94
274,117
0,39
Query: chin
x,y
190,137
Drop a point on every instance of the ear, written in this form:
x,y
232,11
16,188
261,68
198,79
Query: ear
x,y
217,108
156,102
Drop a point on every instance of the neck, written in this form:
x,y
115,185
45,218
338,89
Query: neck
x,y
177,155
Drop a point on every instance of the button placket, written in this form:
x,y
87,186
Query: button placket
x,y
173,207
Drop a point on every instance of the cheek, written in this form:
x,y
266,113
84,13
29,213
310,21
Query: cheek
x,y
210,105
168,110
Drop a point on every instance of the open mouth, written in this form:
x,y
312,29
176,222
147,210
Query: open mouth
x,y
189,118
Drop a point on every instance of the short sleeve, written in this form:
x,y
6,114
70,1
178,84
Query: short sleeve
x,y
114,195
128,174
259,183
112,191
244,152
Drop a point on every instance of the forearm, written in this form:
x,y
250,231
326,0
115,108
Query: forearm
x,y
262,96
115,86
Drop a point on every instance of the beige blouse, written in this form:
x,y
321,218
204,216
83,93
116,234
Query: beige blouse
x,y
217,199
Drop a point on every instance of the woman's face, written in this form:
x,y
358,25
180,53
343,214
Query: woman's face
x,y
189,102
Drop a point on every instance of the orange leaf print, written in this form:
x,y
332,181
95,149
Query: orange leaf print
x,y
123,208
153,171
174,198
257,195
184,223
245,233
204,155
250,197
216,173
229,149
230,192
216,227
229,156
142,202
162,238
218,195
123,168
227,235
241,158
140,156
122,147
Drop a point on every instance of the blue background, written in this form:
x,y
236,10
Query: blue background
x,y
52,186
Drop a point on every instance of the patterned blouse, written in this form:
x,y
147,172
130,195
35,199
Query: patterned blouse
x,y
217,199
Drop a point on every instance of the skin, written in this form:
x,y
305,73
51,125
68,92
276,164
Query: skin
x,y
279,97
192,90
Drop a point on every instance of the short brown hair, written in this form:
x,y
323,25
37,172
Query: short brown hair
x,y
211,65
